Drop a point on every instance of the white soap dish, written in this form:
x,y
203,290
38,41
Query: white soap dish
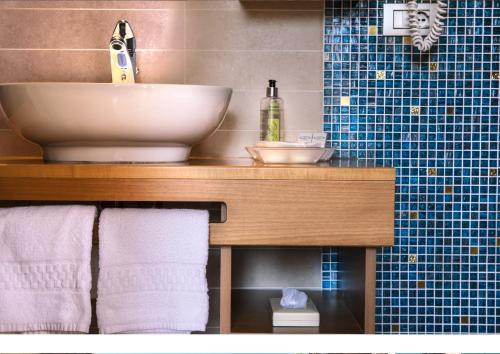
x,y
286,144
290,155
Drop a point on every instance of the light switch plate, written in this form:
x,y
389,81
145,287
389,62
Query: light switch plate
x,y
396,19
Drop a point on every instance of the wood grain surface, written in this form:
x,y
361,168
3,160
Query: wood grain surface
x,y
259,212
341,170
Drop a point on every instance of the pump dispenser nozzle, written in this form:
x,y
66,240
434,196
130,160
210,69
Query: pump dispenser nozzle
x,y
272,90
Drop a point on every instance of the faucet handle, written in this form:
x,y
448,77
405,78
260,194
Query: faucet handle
x,y
123,30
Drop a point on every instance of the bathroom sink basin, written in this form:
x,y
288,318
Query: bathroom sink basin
x,y
101,122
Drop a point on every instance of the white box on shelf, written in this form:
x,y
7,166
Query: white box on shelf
x,y
286,317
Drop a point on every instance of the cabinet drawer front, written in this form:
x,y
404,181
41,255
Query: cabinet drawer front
x,y
308,213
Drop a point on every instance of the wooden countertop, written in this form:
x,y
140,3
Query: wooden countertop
x,y
349,202
236,169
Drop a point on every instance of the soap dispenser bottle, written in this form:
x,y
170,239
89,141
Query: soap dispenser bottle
x,y
271,114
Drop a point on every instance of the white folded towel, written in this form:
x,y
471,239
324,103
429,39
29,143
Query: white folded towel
x,y
45,277
152,271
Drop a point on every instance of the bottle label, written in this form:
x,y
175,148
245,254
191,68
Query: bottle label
x,y
273,121
273,130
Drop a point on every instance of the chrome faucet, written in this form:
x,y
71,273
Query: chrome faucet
x,y
122,53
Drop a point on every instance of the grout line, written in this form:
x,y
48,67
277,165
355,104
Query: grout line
x,y
273,248
257,130
323,25
83,9
258,10
248,50
276,288
184,56
173,50
156,10
282,91
50,49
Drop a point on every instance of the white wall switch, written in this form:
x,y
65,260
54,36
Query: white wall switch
x,y
396,19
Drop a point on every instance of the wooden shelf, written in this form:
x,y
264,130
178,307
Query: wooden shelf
x,y
251,313
236,169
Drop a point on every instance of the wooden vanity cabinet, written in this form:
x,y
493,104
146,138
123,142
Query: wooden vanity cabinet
x,y
346,203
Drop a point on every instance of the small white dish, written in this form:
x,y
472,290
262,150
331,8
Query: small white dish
x,y
286,144
288,155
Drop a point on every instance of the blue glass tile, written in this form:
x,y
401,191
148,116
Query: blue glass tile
x,y
436,111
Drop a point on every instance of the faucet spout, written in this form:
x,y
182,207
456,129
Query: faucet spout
x,y
122,54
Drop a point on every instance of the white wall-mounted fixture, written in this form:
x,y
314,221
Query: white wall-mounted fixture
x,y
396,19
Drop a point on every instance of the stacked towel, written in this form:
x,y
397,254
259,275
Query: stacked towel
x,y
152,276
45,275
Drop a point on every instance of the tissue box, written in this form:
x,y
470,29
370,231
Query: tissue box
x,y
296,330
285,317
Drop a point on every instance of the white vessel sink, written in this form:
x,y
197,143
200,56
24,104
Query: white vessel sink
x,y
92,122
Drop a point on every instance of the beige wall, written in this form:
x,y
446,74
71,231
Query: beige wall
x,y
230,43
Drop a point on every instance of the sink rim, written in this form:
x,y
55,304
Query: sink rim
x,y
140,84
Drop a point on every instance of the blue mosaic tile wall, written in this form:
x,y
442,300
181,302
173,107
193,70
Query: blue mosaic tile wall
x,y
435,117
